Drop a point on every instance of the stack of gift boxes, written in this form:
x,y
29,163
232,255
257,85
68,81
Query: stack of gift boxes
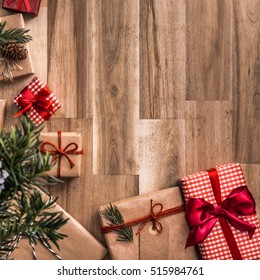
x,y
212,209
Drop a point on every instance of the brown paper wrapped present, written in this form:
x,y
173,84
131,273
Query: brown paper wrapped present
x,y
66,148
158,227
26,67
2,112
79,245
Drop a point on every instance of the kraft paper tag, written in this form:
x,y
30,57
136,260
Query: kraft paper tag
x,y
154,246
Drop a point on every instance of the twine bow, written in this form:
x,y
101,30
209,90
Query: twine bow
x,y
20,4
58,152
153,217
40,102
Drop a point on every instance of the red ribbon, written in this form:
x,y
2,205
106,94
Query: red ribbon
x,y
202,215
20,4
153,217
38,101
59,152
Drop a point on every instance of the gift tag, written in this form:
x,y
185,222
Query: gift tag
x,y
154,245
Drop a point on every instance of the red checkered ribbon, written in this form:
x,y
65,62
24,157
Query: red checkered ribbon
x,y
38,100
20,4
216,246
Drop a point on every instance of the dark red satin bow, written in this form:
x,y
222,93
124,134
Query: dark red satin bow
x,y
202,215
39,102
20,4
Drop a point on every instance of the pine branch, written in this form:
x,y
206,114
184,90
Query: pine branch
x,y
14,35
23,211
113,215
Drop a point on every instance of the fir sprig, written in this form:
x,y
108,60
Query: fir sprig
x,y
23,211
14,35
113,215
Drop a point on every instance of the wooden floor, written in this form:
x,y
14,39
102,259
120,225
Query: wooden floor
x,y
159,89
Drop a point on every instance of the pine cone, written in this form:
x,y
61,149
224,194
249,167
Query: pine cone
x,y
13,51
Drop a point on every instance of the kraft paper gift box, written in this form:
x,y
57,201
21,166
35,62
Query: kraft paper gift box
x,y
2,112
221,213
23,6
70,144
17,21
150,243
79,245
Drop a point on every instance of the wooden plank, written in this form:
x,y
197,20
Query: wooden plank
x,y
209,50
116,93
246,81
162,154
69,55
208,134
252,176
162,58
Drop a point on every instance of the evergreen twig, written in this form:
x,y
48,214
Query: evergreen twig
x,y
23,211
113,215
14,35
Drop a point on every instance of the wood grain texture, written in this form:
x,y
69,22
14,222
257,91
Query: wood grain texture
x,y
116,92
162,58
252,176
208,134
162,154
209,49
158,89
69,55
246,81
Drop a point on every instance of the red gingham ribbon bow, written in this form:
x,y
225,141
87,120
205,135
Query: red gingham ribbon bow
x,y
202,215
38,101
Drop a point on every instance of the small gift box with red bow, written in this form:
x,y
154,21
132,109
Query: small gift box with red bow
x,y
150,226
23,6
66,149
220,211
38,101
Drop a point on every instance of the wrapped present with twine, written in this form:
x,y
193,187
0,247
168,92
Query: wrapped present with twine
x,y
150,226
220,211
66,149
78,245
15,59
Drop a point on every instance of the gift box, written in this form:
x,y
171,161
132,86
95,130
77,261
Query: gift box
x,y
79,245
2,112
149,226
66,148
23,6
220,211
38,101
25,66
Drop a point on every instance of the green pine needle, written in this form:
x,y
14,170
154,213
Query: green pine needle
x,y
113,215
23,211
14,35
